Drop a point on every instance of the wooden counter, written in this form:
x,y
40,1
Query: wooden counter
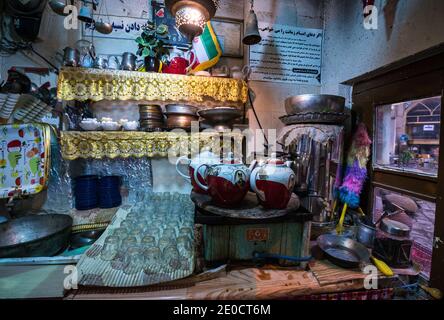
x,y
243,284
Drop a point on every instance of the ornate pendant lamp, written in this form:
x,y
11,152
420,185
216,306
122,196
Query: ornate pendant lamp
x,y
192,15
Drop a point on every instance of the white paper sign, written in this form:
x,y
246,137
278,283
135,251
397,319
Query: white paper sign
x,y
429,127
123,27
287,54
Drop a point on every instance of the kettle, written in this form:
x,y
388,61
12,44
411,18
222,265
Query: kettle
x,y
273,183
227,183
205,157
241,74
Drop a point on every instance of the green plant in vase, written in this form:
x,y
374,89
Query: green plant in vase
x,y
152,47
405,157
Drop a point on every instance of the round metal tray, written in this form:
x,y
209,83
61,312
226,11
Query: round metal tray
x,y
315,117
35,235
248,209
314,103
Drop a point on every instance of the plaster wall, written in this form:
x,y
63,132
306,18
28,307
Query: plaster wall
x,y
405,27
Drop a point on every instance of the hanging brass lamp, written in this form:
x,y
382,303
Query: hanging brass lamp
x,y
192,15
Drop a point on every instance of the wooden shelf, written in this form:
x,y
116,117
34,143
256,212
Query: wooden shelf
x,y
93,84
138,144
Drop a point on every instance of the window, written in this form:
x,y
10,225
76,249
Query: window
x,y
419,215
407,136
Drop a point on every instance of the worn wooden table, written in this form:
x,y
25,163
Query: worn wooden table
x,y
243,284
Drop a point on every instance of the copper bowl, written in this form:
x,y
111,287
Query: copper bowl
x,y
150,115
150,108
314,103
178,120
220,118
181,109
151,123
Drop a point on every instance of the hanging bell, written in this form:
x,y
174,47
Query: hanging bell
x,y
85,14
252,35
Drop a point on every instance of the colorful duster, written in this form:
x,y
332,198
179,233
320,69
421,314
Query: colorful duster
x,y
356,170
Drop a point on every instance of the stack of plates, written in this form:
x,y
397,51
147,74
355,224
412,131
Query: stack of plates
x,y
85,192
109,192
7,104
151,117
30,108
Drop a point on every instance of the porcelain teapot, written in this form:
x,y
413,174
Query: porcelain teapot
x,y
205,157
180,62
227,183
273,183
241,74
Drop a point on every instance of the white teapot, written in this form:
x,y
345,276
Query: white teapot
x,y
241,74
205,157
273,183
227,182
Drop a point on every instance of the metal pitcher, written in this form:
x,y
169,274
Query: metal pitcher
x,y
71,57
129,61
101,63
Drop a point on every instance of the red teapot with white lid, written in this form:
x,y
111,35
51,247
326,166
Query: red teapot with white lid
x,y
205,157
227,183
273,183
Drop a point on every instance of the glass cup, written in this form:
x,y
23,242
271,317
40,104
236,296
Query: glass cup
x,y
171,257
184,244
169,232
148,241
110,248
186,231
127,224
120,232
165,242
135,260
152,231
127,243
136,233
153,260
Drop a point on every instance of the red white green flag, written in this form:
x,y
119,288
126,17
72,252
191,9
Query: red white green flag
x,y
207,49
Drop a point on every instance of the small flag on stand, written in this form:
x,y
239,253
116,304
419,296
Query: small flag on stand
x,y
207,49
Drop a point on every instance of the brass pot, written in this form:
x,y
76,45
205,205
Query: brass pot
x,y
151,115
178,120
150,108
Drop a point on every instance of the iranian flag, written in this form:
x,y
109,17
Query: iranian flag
x,y
206,49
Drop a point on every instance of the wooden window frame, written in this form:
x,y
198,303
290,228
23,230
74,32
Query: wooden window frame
x,y
416,77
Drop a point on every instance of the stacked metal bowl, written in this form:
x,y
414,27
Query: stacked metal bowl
x,y
180,116
151,117
314,108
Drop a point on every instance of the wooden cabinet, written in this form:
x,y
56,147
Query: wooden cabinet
x,y
417,77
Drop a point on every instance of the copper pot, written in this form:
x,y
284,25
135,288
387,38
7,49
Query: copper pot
x,y
178,120
150,108
151,115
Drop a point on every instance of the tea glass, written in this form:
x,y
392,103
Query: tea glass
x,y
148,241
128,242
110,248
171,257
165,242
153,259
169,232
135,260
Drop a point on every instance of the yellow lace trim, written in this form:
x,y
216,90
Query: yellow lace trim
x,y
94,84
99,145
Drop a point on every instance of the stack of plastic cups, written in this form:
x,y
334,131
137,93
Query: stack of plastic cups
x,y
85,192
109,192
